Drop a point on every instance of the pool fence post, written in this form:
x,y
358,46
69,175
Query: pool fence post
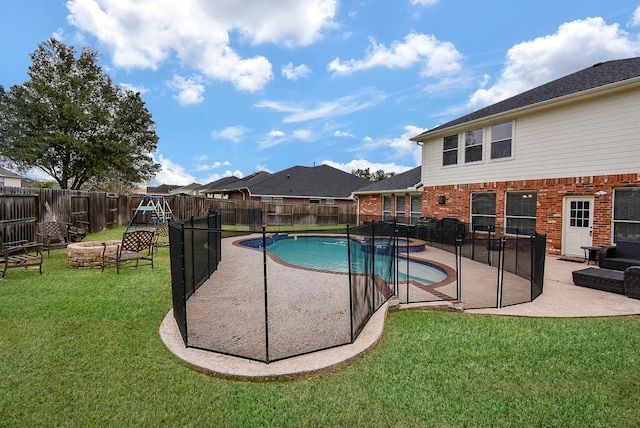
x,y
266,300
459,240
396,266
350,282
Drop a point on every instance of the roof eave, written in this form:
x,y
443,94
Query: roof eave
x,y
616,86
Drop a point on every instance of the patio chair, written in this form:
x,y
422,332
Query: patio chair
x,y
162,235
136,245
52,234
21,254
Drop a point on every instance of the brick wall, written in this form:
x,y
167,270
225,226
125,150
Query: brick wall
x,y
550,195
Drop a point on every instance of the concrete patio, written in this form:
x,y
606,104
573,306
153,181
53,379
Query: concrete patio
x,y
560,298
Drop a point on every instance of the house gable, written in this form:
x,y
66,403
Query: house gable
x,y
595,131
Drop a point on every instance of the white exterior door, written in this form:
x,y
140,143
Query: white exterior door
x,y
577,221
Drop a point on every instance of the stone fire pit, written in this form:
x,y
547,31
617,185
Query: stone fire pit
x,y
88,254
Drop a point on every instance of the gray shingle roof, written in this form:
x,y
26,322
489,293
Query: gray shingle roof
x,y
302,181
6,173
600,74
407,179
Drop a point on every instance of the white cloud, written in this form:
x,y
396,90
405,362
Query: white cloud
x,y
303,134
133,88
400,147
274,138
636,17
190,90
364,164
424,2
216,177
576,45
343,134
233,133
295,73
172,173
339,107
436,57
213,166
145,33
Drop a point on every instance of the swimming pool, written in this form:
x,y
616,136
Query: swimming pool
x,y
330,253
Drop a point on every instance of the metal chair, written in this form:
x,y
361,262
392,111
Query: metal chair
x,y
136,245
22,254
52,235
162,235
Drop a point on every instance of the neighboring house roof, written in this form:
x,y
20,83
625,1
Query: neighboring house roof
x,y
320,181
163,189
227,183
188,189
596,76
401,182
9,174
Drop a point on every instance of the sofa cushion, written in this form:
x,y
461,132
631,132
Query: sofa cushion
x,y
627,250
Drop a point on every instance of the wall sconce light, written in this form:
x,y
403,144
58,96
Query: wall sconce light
x,y
601,193
442,199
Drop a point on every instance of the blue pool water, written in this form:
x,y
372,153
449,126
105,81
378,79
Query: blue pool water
x,y
330,254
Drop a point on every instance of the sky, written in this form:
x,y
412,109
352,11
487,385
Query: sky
x,y
241,86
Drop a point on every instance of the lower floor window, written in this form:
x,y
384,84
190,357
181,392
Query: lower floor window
x,y
626,214
386,207
483,210
520,212
415,208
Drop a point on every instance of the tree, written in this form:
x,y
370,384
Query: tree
x,y
73,123
376,176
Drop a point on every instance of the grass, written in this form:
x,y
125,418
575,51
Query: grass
x,y
81,348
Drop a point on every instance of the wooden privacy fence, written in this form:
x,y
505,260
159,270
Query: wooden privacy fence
x,y
22,208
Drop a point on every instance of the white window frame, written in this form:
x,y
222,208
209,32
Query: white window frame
x,y
614,221
494,141
415,215
473,216
386,214
475,144
401,208
446,150
521,194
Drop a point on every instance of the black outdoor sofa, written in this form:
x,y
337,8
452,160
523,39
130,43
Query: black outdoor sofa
x,y
621,256
619,270
614,281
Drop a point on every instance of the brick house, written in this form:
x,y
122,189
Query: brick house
x,y
397,197
296,185
562,159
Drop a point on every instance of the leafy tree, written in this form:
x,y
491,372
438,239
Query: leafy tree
x,y
72,122
376,176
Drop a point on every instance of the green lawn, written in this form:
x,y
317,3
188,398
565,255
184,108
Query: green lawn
x,y
81,348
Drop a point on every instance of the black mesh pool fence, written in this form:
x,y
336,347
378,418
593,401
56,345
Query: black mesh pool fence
x,y
267,311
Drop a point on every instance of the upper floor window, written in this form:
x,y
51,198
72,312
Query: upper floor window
x,y
450,150
501,140
473,145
